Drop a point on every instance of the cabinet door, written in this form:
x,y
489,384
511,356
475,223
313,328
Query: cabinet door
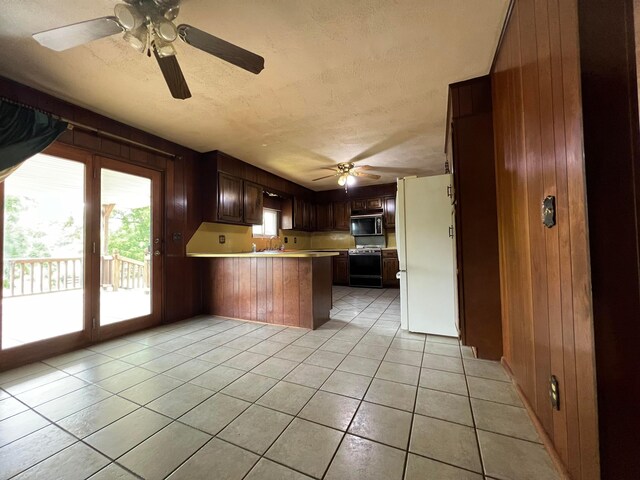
x,y
230,198
341,270
341,216
390,212
374,204
298,213
253,203
324,217
359,205
390,267
308,216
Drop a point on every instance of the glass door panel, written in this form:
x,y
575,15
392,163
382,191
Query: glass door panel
x,y
44,256
126,285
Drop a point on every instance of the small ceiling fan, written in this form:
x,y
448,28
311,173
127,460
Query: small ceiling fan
x,y
148,27
347,173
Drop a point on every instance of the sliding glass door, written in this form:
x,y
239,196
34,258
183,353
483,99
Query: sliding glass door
x,y
43,283
130,247
82,252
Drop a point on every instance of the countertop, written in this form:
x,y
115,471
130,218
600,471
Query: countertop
x,y
290,254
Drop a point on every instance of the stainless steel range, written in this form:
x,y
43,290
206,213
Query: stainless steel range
x,y
365,266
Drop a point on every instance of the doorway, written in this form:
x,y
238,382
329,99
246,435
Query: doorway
x,y
82,252
130,262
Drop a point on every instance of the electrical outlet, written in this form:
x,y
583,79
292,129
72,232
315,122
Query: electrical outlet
x,y
177,236
286,239
222,239
295,239
554,392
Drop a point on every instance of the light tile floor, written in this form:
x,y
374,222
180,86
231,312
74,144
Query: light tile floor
x,y
217,398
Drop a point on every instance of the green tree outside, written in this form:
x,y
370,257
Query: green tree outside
x,y
131,238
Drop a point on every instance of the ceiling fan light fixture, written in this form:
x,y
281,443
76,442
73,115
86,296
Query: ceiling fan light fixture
x,y
172,13
166,30
350,180
163,48
342,179
137,38
128,16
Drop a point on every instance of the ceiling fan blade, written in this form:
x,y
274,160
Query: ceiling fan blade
x,y
70,36
363,167
322,178
368,175
220,48
173,76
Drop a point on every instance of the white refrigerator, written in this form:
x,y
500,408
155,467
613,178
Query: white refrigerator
x,y
424,236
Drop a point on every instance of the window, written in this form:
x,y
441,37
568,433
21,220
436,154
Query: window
x,y
269,227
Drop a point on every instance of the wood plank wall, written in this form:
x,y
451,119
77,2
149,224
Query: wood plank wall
x,y
545,277
294,292
612,146
183,296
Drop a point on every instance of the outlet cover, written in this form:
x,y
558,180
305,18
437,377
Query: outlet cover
x,y
222,239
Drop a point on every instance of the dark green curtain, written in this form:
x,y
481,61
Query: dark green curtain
x,y
23,133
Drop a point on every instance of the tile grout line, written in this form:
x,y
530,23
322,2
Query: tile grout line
x,y
360,401
473,417
413,411
254,403
261,340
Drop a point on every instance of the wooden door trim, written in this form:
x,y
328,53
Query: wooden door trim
x,y
33,351
156,316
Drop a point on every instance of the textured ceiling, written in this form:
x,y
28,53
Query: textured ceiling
x,y
343,80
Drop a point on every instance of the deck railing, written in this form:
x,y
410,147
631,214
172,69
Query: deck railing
x,y
31,276
28,276
122,272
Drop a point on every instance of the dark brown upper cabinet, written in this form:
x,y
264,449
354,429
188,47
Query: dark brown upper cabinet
x,y
367,205
374,204
342,216
230,198
389,212
324,217
253,203
239,201
359,205
298,214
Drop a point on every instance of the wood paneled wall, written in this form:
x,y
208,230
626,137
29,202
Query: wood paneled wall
x,y
612,146
183,296
295,292
545,273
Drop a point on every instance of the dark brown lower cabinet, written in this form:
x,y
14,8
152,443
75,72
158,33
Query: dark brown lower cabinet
x,y
390,266
341,269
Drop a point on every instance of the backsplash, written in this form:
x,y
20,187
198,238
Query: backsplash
x,y
238,238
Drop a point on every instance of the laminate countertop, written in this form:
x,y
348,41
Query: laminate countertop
x,y
285,254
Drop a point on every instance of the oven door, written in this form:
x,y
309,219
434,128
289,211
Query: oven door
x,y
365,270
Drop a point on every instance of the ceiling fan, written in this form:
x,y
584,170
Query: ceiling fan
x,y
148,26
347,173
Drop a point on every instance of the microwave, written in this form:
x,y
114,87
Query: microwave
x,y
366,225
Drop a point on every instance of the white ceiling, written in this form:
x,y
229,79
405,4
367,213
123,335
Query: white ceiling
x,y
343,80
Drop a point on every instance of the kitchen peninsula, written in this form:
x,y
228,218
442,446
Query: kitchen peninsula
x,y
284,288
